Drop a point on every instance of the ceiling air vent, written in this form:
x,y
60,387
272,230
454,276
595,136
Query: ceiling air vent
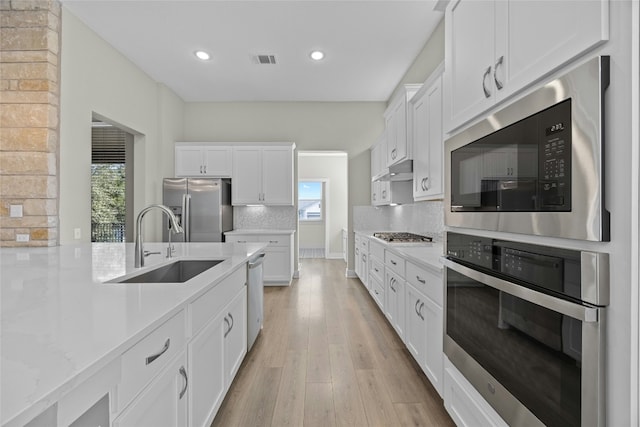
x,y
264,59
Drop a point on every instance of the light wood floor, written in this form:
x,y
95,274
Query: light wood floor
x,y
328,357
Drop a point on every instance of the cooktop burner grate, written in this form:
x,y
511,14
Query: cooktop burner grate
x,y
402,237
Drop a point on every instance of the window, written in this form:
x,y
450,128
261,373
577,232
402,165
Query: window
x,y
310,201
111,183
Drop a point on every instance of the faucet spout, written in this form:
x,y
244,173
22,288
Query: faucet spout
x,y
139,249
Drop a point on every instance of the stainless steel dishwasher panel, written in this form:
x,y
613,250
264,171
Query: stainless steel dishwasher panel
x,y
255,296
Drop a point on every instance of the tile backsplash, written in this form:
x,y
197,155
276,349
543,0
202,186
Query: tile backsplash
x,y
422,218
264,217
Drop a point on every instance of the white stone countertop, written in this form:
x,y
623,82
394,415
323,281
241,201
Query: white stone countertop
x,y
61,323
259,231
426,255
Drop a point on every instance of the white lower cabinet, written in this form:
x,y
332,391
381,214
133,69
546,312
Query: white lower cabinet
x,y
164,402
424,321
464,404
278,261
206,365
394,301
235,337
215,355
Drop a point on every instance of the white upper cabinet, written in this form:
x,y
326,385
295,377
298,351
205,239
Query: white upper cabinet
x,y
494,49
425,111
395,117
262,175
203,160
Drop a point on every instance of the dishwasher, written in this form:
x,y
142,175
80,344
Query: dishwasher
x,y
255,298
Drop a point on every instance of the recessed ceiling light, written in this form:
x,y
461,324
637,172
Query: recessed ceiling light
x,y
317,55
202,55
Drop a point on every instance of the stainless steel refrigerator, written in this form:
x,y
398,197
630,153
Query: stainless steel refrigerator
x,y
202,205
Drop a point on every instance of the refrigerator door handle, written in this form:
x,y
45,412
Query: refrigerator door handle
x,y
186,215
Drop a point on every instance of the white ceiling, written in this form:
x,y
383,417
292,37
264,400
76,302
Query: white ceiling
x,y
369,45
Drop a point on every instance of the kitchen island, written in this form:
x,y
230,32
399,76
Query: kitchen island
x,y
63,324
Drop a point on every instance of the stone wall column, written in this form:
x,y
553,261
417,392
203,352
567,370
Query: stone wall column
x,y
29,121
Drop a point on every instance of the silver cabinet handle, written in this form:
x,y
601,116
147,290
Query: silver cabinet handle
x,y
273,241
393,262
376,291
374,197
487,93
205,168
421,280
416,307
499,84
228,325
153,357
384,194
200,168
183,372
231,317
242,241
376,270
420,311
426,187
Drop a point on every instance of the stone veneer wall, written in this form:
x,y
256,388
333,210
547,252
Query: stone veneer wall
x,y
29,124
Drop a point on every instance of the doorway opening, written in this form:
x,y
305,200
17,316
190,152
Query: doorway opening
x,y
311,217
321,226
111,183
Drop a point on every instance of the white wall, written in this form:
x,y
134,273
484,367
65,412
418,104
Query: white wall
x,y
334,168
95,78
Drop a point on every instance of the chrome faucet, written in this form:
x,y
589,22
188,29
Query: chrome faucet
x,y
139,251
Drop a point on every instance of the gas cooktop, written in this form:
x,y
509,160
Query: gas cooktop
x,y
402,237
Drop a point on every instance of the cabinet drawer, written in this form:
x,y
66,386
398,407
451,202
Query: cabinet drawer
x,y
209,304
426,282
377,292
376,250
376,269
364,244
394,262
242,238
277,240
145,359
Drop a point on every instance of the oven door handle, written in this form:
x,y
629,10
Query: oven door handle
x,y
577,311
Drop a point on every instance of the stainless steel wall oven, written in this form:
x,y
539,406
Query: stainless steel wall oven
x,y
525,325
536,166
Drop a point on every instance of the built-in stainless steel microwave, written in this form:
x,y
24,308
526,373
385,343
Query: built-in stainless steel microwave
x,y
536,166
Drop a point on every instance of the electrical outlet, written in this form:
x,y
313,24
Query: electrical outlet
x,y
15,211
77,233
22,237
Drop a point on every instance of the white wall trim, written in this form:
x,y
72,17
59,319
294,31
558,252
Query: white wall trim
x,y
351,274
334,255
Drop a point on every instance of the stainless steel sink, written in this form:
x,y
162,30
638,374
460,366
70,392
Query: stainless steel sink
x,y
176,272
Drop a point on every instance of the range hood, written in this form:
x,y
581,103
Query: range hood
x,y
402,171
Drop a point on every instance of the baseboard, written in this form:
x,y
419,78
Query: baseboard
x,y
296,274
334,255
351,274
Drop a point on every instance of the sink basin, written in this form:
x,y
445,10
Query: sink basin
x,y
176,272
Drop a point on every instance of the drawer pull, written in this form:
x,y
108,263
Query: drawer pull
x,y
273,241
421,280
231,317
183,372
153,357
416,308
377,271
393,262
420,311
